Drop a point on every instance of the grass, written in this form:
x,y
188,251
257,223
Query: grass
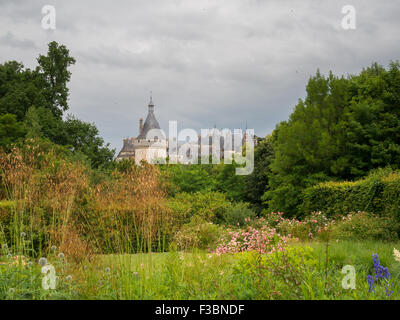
x,y
201,275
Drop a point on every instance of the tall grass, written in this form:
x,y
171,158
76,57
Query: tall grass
x,y
52,201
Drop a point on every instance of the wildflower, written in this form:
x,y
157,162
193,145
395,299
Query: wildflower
x,y
4,246
11,290
381,274
108,270
68,278
42,261
9,256
30,264
61,255
53,248
370,280
23,234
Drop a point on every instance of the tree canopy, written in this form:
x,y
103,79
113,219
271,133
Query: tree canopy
x,y
33,103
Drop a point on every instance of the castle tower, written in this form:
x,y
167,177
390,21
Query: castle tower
x,y
151,144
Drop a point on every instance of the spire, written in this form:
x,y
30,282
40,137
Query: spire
x,y
151,104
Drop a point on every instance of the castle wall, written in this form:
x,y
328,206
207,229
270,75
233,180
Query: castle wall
x,y
151,151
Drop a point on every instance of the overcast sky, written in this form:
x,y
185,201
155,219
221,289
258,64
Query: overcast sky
x,y
207,62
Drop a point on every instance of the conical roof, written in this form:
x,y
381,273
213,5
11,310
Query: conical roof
x,y
150,123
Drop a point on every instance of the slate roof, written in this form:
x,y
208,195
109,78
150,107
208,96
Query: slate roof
x,y
150,123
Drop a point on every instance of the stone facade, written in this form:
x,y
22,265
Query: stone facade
x,y
151,144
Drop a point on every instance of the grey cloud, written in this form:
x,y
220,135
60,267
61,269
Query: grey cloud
x,y
206,61
10,40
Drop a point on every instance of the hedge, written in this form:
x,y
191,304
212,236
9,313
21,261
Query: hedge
x,y
379,193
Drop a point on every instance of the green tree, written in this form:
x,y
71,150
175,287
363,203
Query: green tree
x,y
342,130
84,137
10,130
256,184
53,69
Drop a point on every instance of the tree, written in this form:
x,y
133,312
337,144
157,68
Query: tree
x,y
53,69
10,130
344,128
256,184
84,137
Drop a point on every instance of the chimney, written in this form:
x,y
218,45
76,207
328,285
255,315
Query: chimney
x,y
140,125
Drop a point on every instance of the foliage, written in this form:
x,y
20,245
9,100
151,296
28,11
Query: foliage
x,y
210,206
257,183
188,178
264,240
10,130
342,130
197,234
365,226
378,193
238,214
32,103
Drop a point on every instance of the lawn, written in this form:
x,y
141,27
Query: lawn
x,y
300,274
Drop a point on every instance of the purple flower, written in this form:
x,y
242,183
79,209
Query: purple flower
x,y
381,274
371,283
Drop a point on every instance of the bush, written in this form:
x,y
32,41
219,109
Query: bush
x,y
365,226
198,233
379,193
238,214
210,206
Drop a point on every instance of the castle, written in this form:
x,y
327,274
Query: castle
x,y
151,145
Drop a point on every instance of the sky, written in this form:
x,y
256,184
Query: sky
x,y
206,62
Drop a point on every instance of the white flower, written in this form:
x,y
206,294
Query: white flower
x,y
69,278
396,254
61,255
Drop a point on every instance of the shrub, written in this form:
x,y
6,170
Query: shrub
x,y
263,240
238,214
379,193
198,233
306,229
366,226
210,206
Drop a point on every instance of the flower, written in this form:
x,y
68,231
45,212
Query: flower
x,y
11,290
107,270
371,283
68,278
61,255
53,248
42,261
381,274
4,246
23,234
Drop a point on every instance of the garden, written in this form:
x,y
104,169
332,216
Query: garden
x,y
318,218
